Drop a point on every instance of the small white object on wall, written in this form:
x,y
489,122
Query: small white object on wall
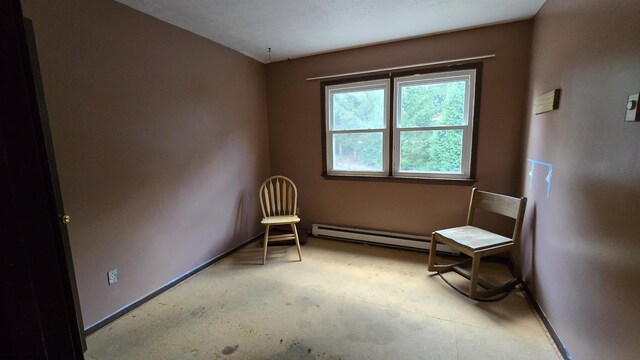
x,y
632,108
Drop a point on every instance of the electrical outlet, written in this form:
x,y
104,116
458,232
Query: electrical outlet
x,y
112,276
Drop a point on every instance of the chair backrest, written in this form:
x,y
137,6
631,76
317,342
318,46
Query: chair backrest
x,y
512,207
278,196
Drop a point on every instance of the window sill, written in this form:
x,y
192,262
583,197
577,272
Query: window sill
x,y
415,180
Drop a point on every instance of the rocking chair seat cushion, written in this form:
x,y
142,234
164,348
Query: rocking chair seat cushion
x,y
281,219
473,238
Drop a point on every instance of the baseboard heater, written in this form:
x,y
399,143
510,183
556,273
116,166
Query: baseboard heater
x,y
383,238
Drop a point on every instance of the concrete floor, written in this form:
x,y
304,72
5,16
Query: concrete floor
x,y
343,301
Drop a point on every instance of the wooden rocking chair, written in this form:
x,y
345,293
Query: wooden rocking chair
x,y
477,243
278,200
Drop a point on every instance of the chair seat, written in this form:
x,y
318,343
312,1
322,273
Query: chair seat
x,y
473,238
283,219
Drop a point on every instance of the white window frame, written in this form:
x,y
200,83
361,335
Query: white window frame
x,y
469,77
392,84
378,84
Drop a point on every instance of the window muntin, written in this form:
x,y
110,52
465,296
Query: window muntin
x,y
357,128
434,125
431,127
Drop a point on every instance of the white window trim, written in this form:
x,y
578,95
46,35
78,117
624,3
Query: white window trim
x,y
384,84
467,130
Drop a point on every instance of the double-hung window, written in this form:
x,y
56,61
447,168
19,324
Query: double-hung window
x,y
410,125
433,125
358,128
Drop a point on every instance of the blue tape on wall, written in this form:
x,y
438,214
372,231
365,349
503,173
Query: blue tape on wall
x,y
549,167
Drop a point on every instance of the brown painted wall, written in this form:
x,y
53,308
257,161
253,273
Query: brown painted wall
x,y
582,241
296,144
160,140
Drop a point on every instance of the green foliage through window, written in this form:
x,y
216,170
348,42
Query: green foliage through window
x,y
359,151
437,151
358,110
440,104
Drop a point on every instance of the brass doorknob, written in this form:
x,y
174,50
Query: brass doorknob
x,y
65,219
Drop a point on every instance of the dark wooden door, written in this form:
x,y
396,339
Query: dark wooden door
x,y
39,313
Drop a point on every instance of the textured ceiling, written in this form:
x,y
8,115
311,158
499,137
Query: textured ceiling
x,y
296,28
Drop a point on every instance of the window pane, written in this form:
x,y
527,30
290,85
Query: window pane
x,y
435,104
357,152
438,151
362,109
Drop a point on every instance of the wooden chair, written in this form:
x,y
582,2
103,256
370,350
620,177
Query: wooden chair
x,y
477,243
278,200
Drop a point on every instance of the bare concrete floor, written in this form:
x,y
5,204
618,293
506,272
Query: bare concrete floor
x,y
343,301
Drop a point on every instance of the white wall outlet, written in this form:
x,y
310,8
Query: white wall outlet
x,y
112,276
632,109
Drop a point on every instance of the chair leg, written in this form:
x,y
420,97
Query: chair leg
x,y
515,264
432,253
475,269
295,233
432,265
266,241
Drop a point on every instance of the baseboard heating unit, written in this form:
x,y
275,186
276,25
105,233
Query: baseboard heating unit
x,y
383,238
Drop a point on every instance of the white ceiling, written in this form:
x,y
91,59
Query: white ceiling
x,y
296,28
